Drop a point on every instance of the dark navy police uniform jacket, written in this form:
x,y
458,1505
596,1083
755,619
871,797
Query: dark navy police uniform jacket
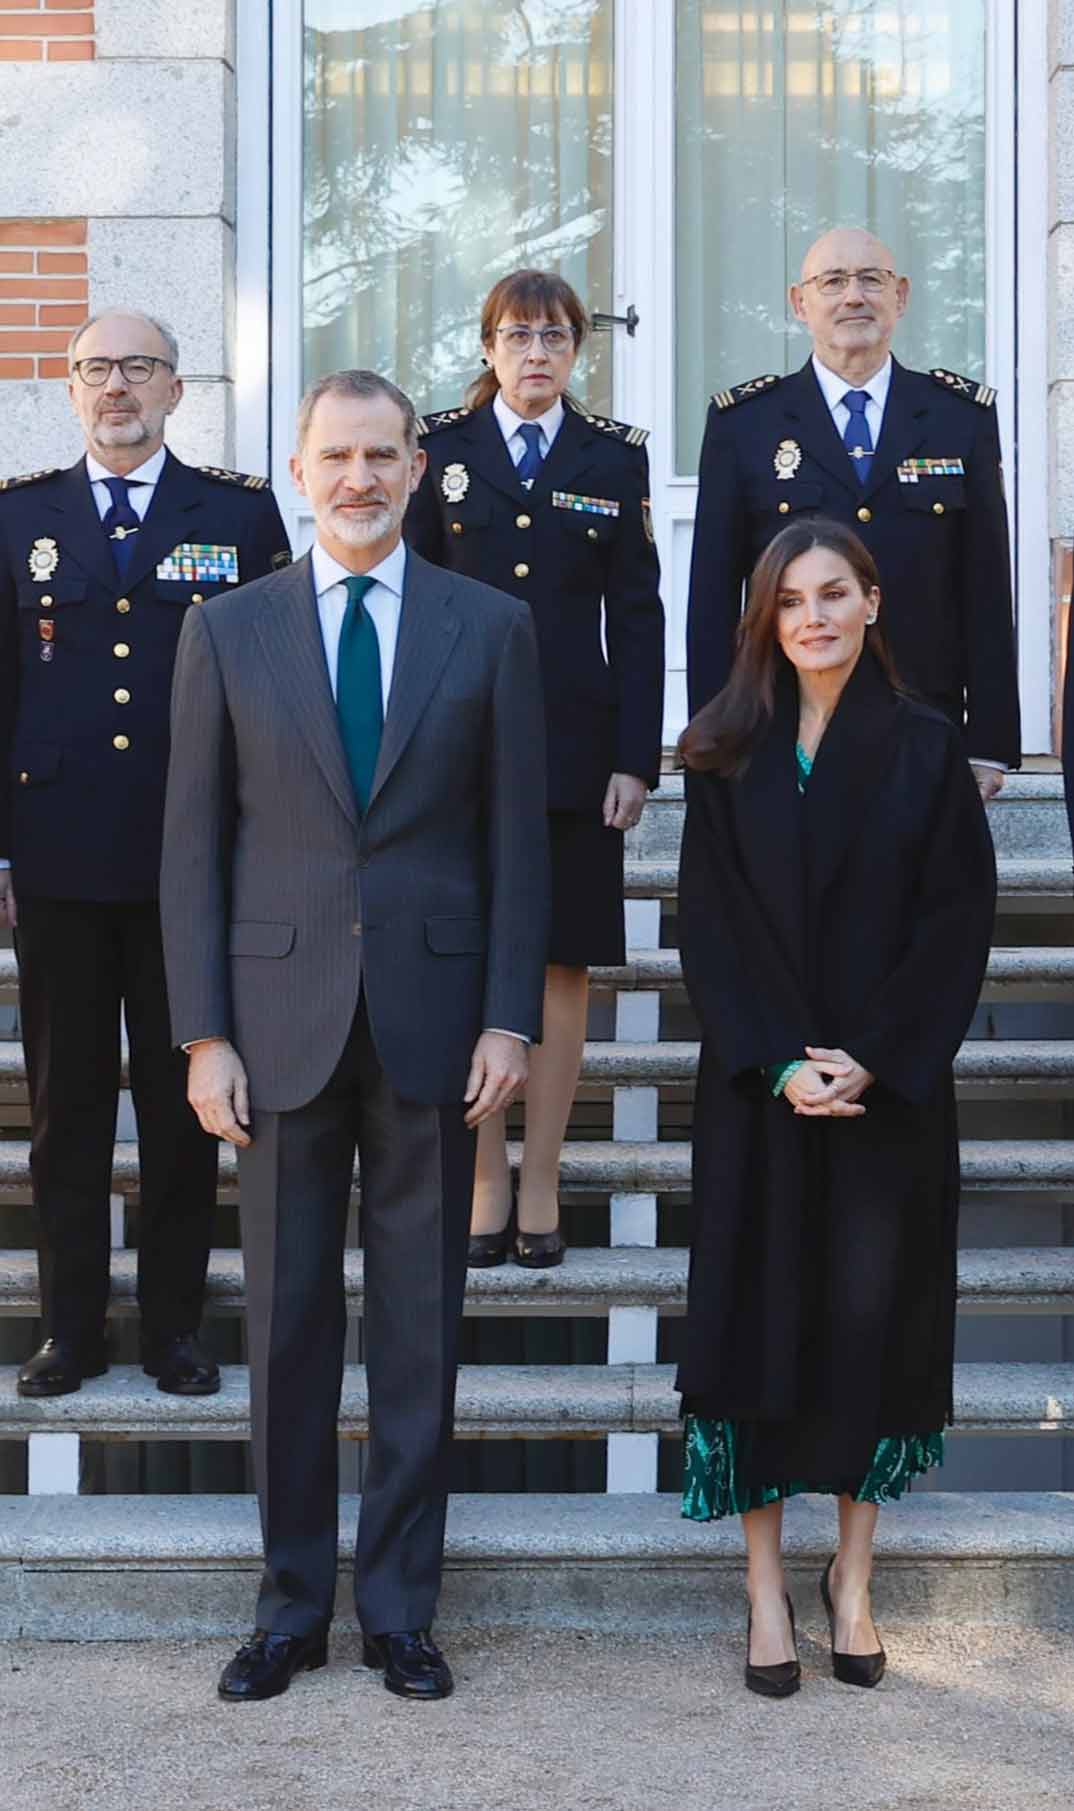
x,y
579,539
932,515
86,665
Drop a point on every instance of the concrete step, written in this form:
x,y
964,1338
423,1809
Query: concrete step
x,y
159,1567
1026,970
499,1402
1012,1168
1027,883
1018,1280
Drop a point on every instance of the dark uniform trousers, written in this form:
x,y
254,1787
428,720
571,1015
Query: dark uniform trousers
x,y
78,960
417,1166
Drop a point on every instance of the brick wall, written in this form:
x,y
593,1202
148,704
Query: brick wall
x,y
56,31
44,292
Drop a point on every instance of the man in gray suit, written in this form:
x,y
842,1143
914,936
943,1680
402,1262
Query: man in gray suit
x,y
354,900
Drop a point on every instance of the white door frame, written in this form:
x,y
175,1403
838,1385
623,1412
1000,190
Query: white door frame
x,y
269,264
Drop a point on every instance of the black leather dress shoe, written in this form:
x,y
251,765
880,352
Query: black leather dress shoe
x,y
265,1665
413,1665
182,1367
58,1367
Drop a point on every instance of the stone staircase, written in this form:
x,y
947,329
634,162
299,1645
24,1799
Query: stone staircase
x,y
95,1565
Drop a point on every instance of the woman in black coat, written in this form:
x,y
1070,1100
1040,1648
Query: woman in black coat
x,y
835,910
527,491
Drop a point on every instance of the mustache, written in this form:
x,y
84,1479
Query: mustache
x,y
365,497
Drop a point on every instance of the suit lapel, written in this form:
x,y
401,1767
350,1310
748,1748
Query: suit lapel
x,y
853,756
290,636
79,531
170,519
905,426
428,631
811,421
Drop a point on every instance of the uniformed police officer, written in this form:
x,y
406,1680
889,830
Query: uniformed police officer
x,y
98,565
909,459
531,493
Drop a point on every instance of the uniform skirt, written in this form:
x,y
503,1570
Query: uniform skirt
x,y
588,927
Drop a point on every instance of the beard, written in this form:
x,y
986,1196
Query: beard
x,y
369,527
130,432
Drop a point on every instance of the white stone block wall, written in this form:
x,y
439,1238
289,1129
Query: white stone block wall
x,y
140,142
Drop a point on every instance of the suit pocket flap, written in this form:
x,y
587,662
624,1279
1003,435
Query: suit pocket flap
x,y
250,937
36,763
455,936
48,594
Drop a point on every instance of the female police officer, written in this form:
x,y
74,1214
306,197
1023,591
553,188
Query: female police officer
x,y
529,492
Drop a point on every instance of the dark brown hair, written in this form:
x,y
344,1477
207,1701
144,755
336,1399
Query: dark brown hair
x,y
527,294
722,734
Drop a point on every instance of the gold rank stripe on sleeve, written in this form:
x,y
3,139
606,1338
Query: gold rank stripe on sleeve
x,y
982,394
443,418
28,478
618,430
243,479
726,399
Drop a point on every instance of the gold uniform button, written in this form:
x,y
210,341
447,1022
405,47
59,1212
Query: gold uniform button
x,y
356,930
123,605
784,508
522,571
121,650
121,742
456,528
592,535
122,696
197,598
45,601
937,509
865,515
24,779
523,521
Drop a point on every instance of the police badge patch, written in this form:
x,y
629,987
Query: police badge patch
x,y
43,559
455,483
787,458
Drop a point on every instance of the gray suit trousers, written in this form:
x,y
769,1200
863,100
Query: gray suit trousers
x,y
417,1165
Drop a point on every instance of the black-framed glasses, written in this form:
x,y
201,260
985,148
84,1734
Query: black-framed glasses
x,y
519,339
137,368
871,281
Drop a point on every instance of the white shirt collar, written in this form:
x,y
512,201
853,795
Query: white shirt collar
x,y
836,387
550,422
390,573
147,473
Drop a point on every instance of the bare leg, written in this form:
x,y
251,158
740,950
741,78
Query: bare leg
x,y
855,1630
771,1642
492,1180
553,1078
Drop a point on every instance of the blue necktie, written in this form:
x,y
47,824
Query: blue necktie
x,y
359,704
856,436
120,523
530,463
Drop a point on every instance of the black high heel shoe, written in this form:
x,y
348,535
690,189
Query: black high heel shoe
x,y
850,1669
781,1680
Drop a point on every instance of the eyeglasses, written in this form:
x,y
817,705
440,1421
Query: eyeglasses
x,y
520,339
836,282
137,369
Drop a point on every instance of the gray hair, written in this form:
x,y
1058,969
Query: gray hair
x,y
362,384
134,314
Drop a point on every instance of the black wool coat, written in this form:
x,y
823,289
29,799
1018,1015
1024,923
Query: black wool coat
x,y
577,549
823,1265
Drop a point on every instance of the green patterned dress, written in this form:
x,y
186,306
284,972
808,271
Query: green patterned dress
x,y
711,1486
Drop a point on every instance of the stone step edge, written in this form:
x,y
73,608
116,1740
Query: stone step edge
x,y
500,1401
1020,877
591,1281
205,1532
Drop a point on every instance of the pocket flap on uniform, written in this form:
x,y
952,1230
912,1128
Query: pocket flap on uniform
x,y
51,594
35,763
797,493
934,496
252,937
455,936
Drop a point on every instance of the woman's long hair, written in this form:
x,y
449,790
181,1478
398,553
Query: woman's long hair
x,y
721,736
527,294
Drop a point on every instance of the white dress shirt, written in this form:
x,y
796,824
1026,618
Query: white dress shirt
x,y
143,483
383,600
509,424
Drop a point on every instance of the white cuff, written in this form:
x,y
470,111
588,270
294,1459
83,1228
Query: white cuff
x,y
500,1033
999,766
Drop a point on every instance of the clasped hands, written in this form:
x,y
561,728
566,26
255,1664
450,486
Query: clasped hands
x,y
829,1085
219,1092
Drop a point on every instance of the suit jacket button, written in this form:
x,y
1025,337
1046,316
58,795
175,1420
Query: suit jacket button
x,y
784,508
523,521
123,605
121,742
865,515
122,696
197,598
456,528
121,650
937,509
45,601
24,778
522,571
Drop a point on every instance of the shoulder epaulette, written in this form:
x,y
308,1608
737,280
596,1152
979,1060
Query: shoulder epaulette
x,y
965,386
619,430
241,478
28,478
726,399
443,418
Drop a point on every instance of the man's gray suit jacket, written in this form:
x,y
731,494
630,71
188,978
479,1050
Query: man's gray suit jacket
x,y
279,897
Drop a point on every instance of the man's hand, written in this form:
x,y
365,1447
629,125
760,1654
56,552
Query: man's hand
x,y
8,915
623,801
218,1091
989,781
497,1073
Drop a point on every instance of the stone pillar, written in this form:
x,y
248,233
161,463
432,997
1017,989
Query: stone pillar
x,y
1061,268
126,155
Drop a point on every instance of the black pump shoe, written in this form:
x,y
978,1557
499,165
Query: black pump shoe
x,y
539,1250
488,1248
781,1680
265,1665
850,1669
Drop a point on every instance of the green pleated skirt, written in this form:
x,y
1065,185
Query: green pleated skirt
x,y
712,1488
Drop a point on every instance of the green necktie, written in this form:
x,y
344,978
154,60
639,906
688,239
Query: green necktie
x,y
358,696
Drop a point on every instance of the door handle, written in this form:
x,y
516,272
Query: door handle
x,y
629,320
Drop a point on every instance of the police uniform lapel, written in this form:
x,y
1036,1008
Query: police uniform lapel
x,y
487,452
812,425
166,523
79,533
904,427
567,457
